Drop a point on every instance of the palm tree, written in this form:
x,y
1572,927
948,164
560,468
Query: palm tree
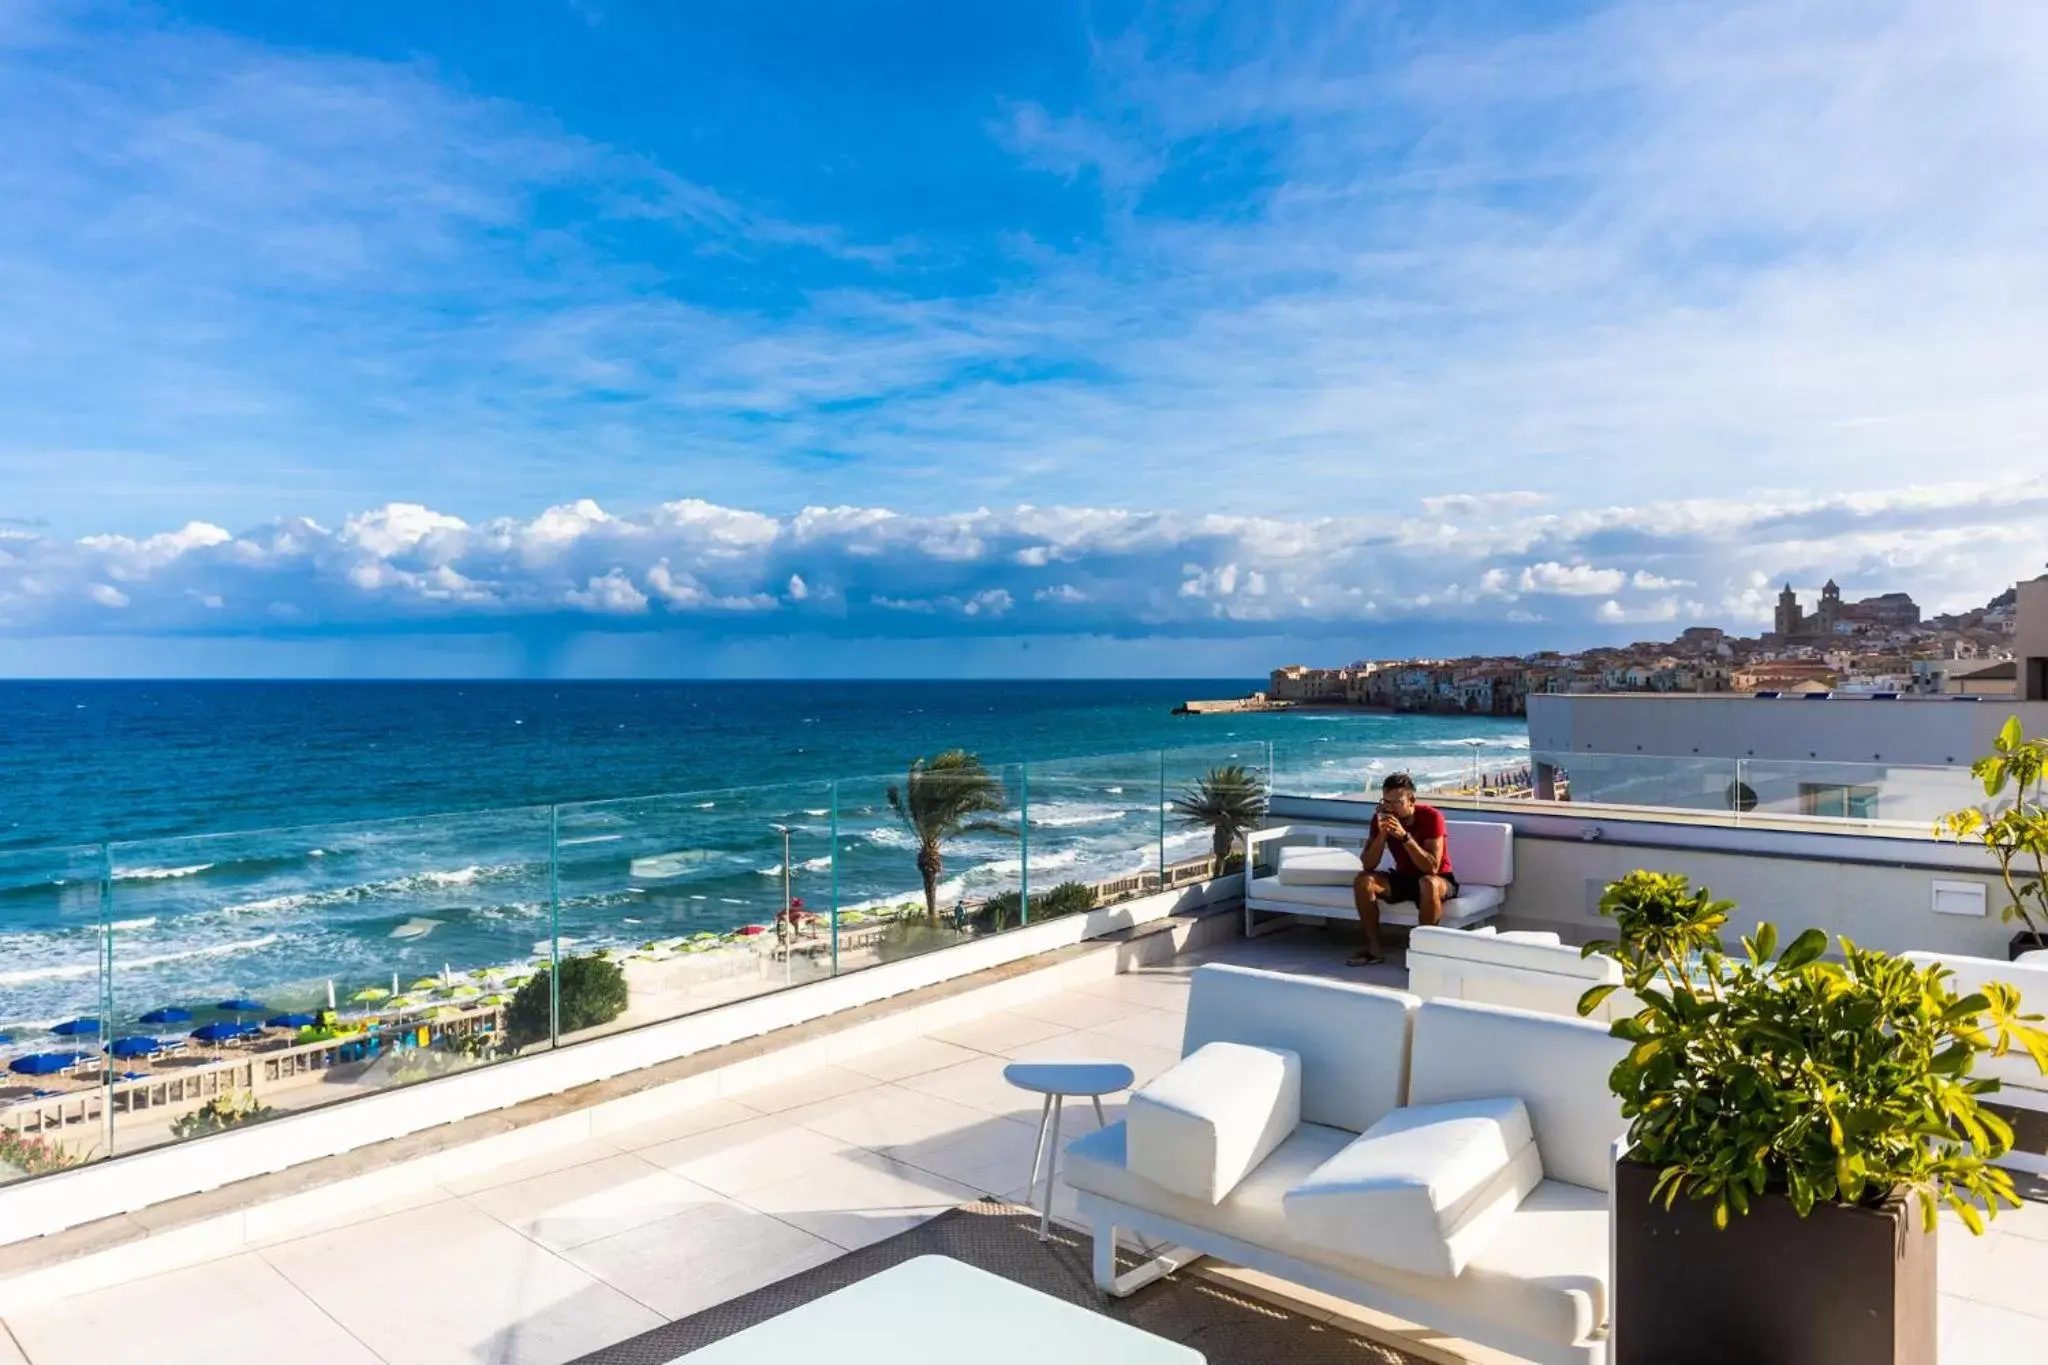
x,y
1229,800
942,799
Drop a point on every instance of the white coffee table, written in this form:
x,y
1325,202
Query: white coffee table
x,y
937,1311
1056,1081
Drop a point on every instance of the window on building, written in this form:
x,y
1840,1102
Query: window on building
x,y
1838,801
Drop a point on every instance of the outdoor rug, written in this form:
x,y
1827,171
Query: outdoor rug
x,y
1227,1327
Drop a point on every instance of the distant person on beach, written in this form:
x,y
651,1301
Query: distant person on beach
x,y
1419,841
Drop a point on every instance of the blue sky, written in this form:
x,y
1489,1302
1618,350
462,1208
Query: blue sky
x,y
599,337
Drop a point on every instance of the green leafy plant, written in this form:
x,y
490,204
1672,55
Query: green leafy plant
x,y
237,1109
1068,898
1773,1072
2016,830
593,992
943,798
1228,800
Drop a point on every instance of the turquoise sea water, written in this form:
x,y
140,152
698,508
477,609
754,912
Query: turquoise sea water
x,y
268,836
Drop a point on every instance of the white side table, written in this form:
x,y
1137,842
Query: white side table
x,y
934,1310
1056,1081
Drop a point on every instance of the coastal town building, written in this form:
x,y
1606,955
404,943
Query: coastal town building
x,y
1878,646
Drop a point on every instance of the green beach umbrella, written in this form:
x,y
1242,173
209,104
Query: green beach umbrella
x,y
370,995
496,1000
465,992
426,983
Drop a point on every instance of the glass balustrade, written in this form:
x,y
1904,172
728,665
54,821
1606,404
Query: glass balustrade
x,y
672,904
158,990
258,974
1093,831
53,1009
1205,790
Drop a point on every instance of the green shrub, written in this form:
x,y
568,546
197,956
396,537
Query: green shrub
x,y
217,1115
593,992
1775,1073
1068,898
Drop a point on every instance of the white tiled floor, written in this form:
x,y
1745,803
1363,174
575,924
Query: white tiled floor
x,y
544,1259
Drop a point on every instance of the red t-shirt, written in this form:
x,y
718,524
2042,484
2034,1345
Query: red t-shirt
x,y
1426,823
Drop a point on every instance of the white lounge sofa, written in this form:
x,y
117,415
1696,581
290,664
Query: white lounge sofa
x,y
1535,1284
1522,969
2021,1086
1312,869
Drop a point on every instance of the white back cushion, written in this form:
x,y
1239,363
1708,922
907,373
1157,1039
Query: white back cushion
x,y
1482,851
1460,964
1352,1040
1557,1066
2030,979
1206,1122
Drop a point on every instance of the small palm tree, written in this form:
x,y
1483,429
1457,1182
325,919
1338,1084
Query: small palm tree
x,y
943,798
1229,800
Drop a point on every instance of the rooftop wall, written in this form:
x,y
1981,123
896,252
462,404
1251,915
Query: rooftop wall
x,y
1934,731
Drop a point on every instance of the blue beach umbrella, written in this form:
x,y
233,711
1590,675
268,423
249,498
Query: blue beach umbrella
x,y
47,1063
138,1046
295,1021
6,1038
241,1004
223,1032
169,1014
71,1028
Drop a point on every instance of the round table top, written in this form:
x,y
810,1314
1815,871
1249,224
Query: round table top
x,y
1069,1078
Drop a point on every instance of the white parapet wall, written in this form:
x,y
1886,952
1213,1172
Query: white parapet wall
x,y
124,1184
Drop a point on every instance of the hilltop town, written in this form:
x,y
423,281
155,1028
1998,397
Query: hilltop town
x,y
1876,645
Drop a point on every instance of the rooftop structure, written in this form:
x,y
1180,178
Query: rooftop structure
x,y
776,1119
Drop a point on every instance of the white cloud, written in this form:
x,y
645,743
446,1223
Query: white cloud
x,y
1482,504
1570,580
844,569
613,593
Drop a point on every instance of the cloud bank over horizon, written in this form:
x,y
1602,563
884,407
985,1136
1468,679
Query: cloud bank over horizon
x,y
1584,575
1406,323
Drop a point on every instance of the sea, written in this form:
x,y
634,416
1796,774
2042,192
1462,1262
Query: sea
x,y
280,840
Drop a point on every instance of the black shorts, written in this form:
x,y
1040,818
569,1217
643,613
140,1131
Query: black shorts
x,y
1407,886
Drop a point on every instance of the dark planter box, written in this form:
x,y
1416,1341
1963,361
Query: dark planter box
x,y
2023,942
1842,1286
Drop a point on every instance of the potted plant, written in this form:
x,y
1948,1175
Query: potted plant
x,y
2015,831
1795,1126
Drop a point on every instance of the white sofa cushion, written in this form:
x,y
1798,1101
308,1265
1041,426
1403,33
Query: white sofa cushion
x,y
1352,1039
1482,851
1544,1273
1472,902
1424,1188
1558,1066
1301,866
1203,1124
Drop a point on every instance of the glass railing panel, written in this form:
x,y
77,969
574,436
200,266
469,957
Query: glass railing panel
x,y
1866,793
52,1010
1094,831
263,973
674,904
1212,793
1649,781
914,873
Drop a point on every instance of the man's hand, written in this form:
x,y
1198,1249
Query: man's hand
x,y
1387,827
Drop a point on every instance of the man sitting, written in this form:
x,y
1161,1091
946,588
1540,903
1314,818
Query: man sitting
x,y
1419,840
